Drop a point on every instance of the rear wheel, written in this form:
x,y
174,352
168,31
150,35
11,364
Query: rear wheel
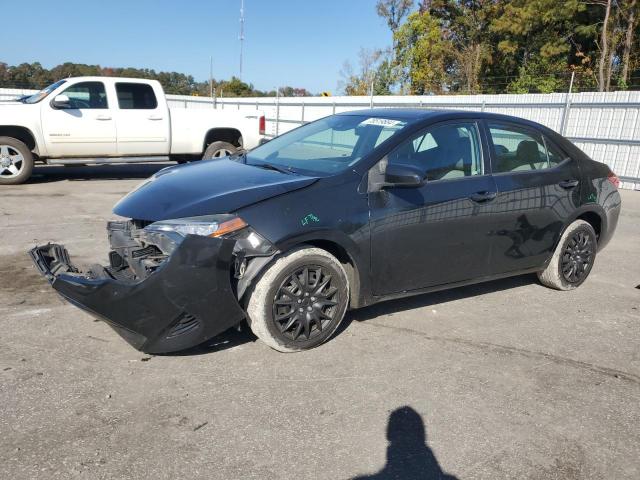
x,y
299,301
218,150
573,258
16,161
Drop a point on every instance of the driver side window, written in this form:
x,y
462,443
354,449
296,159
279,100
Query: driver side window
x,y
87,95
443,152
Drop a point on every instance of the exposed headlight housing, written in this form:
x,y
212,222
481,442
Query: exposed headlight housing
x,y
167,234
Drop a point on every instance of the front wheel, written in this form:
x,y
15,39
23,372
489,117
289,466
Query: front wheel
x,y
299,301
218,150
16,161
573,258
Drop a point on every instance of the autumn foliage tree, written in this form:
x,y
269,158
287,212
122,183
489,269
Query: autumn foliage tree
x,y
521,46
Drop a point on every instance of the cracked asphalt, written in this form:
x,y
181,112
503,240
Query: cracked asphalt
x,y
499,380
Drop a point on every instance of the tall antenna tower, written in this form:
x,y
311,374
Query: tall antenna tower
x,y
241,34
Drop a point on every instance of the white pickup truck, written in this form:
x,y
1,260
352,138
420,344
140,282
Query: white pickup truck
x,y
96,120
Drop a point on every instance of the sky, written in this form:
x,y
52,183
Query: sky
x,y
301,43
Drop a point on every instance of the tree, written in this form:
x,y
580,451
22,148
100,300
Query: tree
x,y
537,38
373,69
423,55
631,16
293,92
465,23
33,75
393,11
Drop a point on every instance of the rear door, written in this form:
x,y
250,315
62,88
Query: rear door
x,y
538,190
86,128
436,233
142,119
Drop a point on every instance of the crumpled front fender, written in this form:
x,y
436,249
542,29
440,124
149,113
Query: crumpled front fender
x,y
186,301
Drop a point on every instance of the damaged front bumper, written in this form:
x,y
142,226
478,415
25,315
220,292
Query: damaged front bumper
x,y
184,302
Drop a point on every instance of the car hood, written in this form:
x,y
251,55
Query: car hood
x,y
204,188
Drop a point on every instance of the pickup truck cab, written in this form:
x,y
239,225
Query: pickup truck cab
x,y
95,120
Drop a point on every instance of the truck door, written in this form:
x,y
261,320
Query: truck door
x,y
84,127
143,119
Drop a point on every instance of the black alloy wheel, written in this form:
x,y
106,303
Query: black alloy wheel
x,y
305,303
577,257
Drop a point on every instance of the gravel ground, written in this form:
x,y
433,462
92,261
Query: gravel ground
x,y
500,380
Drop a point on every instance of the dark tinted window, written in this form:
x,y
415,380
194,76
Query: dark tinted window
x,y
136,96
443,152
517,150
87,95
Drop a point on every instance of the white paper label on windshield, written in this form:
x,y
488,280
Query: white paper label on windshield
x,y
382,122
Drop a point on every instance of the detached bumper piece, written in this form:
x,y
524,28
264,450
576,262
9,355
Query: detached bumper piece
x,y
185,302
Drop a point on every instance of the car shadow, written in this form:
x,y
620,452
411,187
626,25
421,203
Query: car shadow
x,y
123,171
435,298
229,339
235,337
408,453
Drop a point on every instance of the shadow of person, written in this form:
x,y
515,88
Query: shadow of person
x,y
408,455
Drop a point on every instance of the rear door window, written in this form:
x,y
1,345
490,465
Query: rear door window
x,y
136,96
516,149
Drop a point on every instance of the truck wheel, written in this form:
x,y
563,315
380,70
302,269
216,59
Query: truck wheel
x,y
16,161
218,150
299,301
573,259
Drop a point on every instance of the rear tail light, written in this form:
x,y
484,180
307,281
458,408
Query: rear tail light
x,y
613,178
263,125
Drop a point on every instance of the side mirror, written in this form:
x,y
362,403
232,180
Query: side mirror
x,y
397,175
61,101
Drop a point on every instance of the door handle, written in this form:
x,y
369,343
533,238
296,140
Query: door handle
x,y
154,117
481,197
103,117
568,184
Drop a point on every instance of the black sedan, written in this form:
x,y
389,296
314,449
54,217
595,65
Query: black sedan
x,y
344,212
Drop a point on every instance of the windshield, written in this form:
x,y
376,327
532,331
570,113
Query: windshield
x,y
35,98
327,146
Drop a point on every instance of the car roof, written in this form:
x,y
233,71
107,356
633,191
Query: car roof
x,y
111,79
413,115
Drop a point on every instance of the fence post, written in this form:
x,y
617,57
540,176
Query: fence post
x,y
302,119
185,103
278,111
484,105
371,97
567,107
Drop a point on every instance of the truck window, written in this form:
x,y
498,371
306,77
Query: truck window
x,y
136,96
87,95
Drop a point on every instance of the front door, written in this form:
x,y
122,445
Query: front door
x,y
538,190
86,128
436,233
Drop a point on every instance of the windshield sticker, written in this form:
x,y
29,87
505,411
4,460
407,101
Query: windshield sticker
x,y
382,122
310,218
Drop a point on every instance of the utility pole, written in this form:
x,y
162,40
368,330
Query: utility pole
x,y
241,34
211,77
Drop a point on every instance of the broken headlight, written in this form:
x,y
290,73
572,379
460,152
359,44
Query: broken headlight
x,y
167,234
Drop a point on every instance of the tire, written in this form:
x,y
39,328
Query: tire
x,y
218,150
573,258
16,161
314,321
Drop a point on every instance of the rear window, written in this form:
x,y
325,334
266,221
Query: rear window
x,y
136,96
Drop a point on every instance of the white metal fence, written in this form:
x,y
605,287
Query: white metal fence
x,y
604,125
